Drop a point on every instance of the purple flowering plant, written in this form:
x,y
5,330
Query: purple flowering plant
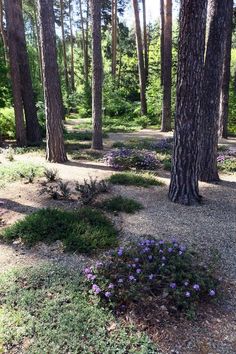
x,y
175,276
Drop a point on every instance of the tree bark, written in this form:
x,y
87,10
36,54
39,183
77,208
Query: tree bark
x,y
224,96
11,14
184,174
211,90
3,33
167,66
114,37
162,26
141,68
72,69
64,46
145,39
32,125
84,44
55,150
97,75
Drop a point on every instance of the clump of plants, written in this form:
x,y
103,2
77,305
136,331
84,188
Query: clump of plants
x,y
60,190
121,204
227,160
122,159
89,189
162,146
29,176
51,174
85,230
150,270
10,154
17,170
145,180
90,155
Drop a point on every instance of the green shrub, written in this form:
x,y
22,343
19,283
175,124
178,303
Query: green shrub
x,y
135,179
16,170
85,230
90,155
228,165
7,122
89,189
121,204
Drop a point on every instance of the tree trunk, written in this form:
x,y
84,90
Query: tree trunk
x,y
114,37
3,34
97,75
141,68
145,40
224,97
64,46
167,66
184,173
32,125
84,44
212,82
72,69
162,26
55,150
11,15
38,42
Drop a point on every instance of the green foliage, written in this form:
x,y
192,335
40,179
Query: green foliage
x,y
135,179
7,122
121,204
57,191
228,165
85,230
90,155
15,170
45,310
89,189
51,174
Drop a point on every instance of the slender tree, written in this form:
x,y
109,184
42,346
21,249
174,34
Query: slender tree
x,y
55,150
141,67
114,37
3,32
184,173
97,74
212,81
162,25
64,45
11,18
224,97
166,61
84,43
72,66
145,39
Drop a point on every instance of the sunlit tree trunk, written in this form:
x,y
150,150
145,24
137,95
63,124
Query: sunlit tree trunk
x,y
114,37
84,44
72,69
145,39
184,173
2,32
64,45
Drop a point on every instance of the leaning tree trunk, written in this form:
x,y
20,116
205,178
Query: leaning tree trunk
x,y
97,74
141,67
32,125
11,14
167,66
212,82
114,37
55,150
224,97
184,172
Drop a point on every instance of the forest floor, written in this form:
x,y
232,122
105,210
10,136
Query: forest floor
x,y
209,228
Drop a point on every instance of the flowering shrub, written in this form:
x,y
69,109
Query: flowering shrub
x,y
163,145
164,271
227,160
131,158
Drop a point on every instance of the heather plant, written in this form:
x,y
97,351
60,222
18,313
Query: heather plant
x,y
121,204
131,178
227,160
162,146
165,272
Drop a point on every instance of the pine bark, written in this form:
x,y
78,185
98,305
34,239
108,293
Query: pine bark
x,y
162,25
224,97
211,90
145,39
11,15
167,66
55,149
141,67
84,44
184,174
97,74
64,46
72,66
114,37
3,33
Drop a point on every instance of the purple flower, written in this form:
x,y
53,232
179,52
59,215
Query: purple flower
x,y
111,286
108,294
212,292
96,289
132,278
170,250
136,260
182,248
138,271
150,257
180,253
120,252
196,287
173,285
120,280
91,277
187,294
87,270
161,242
186,283
163,258
161,251
146,249
134,265
151,276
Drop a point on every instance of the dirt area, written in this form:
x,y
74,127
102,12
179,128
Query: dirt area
x,y
209,228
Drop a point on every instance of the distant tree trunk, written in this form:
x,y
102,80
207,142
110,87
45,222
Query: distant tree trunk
x,y
224,97
64,46
184,173
32,125
212,82
84,44
97,75
162,25
142,76
2,32
114,37
145,39
38,41
87,44
167,66
11,15
55,150
72,69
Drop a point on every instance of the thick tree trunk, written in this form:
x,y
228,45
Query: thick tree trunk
x,y
32,125
97,74
184,173
55,150
72,66
141,68
224,96
145,39
11,14
114,37
167,66
212,82
64,46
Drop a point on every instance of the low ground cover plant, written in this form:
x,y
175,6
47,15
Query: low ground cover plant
x,y
85,230
135,179
227,160
165,272
90,189
164,145
121,204
17,170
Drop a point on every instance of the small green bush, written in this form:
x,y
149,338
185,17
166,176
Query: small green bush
x,y
7,122
135,179
17,170
121,204
89,189
85,230
228,165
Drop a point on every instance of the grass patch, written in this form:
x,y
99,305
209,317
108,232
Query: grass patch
x,y
14,171
45,310
120,204
85,230
135,179
165,159
90,155
85,135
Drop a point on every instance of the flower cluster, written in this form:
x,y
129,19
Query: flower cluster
x,y
226,160
164,145
131,158
155,269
